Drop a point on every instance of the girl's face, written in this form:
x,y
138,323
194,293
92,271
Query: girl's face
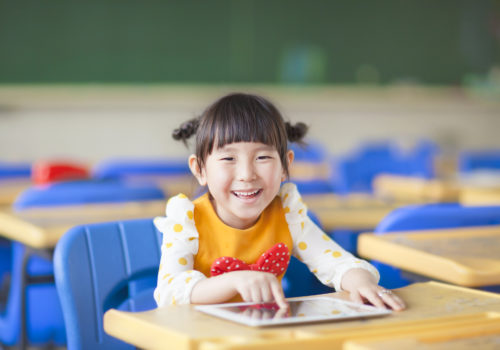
x,y
243,178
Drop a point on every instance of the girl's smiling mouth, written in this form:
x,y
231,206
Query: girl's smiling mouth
x,y
247,194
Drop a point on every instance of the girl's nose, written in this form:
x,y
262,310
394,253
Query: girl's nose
x,y
246,171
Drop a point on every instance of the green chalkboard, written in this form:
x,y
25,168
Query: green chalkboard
x,y
235,41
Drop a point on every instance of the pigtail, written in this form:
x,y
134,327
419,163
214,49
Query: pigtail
x,y
186,130
296,132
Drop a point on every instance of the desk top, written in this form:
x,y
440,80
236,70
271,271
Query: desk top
x,y
479,196
42,227
357,211
430,305
464,256
415,189
11,188
462,338
470,190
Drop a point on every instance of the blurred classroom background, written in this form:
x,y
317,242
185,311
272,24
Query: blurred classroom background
x,y
93,90
105,79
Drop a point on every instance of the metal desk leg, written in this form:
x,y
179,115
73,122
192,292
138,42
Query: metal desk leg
x,y
26,280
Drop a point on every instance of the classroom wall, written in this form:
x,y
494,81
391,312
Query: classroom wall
x,y
92,123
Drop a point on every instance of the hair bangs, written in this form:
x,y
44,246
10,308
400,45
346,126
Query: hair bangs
x,y
245,128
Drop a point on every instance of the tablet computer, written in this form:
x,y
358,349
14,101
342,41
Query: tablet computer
x,y
300,310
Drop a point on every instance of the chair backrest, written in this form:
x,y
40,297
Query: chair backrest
x,y
429,216
103,266
132,168
314,186
14,170
479,160
311,152
355,172
85,192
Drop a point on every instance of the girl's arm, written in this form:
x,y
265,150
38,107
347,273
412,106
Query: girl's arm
x,y
176,276
327,260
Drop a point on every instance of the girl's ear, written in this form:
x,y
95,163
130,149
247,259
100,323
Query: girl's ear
x,y
289,158
198,173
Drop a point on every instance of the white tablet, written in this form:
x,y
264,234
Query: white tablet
x,y
300,310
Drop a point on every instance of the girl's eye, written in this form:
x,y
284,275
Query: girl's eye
x,y
264,157
227,158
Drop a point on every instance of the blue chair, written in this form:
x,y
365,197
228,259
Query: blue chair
x,y
14,170
85,192
316,186
479,160
170,174
420,159
355,172
102,266
32,285
429,216
127,168
311,152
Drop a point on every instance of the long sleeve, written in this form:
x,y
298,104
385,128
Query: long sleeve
x,y
176,276
325,258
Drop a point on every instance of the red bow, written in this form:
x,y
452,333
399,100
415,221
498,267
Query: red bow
x,y
275,261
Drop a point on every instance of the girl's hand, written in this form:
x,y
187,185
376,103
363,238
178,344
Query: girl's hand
x,y
362,287
258,287
253,286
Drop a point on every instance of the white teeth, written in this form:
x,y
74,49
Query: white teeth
x,y
246,194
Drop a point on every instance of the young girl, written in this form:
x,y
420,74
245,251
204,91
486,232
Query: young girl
x,y
234,242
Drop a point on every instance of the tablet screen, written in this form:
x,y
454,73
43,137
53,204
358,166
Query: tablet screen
x,y
300,310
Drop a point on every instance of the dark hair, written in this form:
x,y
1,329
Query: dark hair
x,y
240,118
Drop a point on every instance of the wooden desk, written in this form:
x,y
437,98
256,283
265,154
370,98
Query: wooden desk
x,y
480,196
464,256
309,171
11,188
480,336
351,219
415,189
42,227
431,306
358,211
471,190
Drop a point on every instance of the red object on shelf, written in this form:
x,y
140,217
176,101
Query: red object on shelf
x,y
46,172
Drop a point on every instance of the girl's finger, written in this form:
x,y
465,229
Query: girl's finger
x,y
282,312
356,297
267,294
278,295
374,298
255,294
393,301
246,294
256,314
